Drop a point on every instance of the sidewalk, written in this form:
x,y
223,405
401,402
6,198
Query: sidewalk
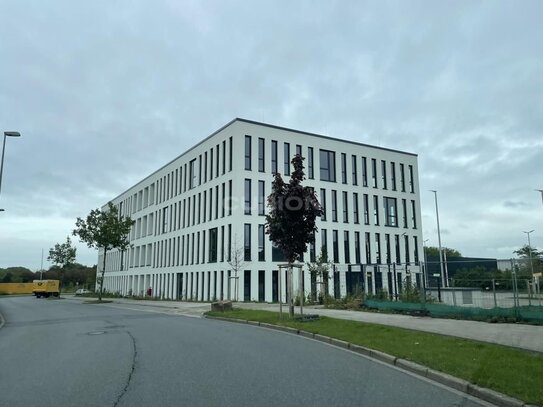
x,y
529,337
522,336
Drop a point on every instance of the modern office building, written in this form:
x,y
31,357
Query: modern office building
x,y
201,210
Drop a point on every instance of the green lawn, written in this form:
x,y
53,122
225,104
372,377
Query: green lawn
x,y
507,370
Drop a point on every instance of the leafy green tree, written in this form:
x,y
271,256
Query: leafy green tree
x,y
63,254
104,230
293,210
432,251
529,254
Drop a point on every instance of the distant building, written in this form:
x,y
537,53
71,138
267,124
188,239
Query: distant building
x,y
192,213
455,264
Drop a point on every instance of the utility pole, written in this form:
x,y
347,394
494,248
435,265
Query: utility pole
x,y
439,241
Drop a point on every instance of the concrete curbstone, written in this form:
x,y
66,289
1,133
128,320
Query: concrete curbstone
x,y
493,397
412,367
287,329
253,323
306,334
266,325
448,380
321,338
340,343
360,349
383,357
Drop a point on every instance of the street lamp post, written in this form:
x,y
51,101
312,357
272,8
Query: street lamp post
x,y
439,241
540,190
530,252
6,134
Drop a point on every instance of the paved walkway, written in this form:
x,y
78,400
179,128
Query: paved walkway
x,y
523,336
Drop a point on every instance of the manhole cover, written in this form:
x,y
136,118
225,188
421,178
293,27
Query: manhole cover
x,y
96,333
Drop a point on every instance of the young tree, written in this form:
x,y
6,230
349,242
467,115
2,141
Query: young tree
x,y
321,269
105,230
62,255
237,263
293,210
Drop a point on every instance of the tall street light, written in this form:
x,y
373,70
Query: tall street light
x,y
439,240
530,252
540,190
6,134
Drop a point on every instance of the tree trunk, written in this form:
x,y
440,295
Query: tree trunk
x,y
102,279
290,288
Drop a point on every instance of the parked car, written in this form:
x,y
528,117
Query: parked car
x,y
81,291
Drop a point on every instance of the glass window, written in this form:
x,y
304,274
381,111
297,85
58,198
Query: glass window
x,y
378,248
248,152
393,175
384,173
230,153
212,257
261,235
416,249
402,177
205,166
224,157
310,171
192,177
345,207
411,180
335,246
323,204
327,165
354,171
287,159
261,155
247,242
404,207
368,248
274,157
391,212
298,149
355,208
388,254
357,247
247,207
346,247
261,198
334,206
374,173
366,210
375,210
406,240
324,241
397,248
343,168
364,172
413,214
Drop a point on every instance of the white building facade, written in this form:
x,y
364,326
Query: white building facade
x,y
194,212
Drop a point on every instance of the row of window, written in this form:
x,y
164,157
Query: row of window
x,y
378,174
205,206
207,166
371,256
206,246
389,205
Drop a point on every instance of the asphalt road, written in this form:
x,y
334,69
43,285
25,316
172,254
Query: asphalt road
x,y
65,353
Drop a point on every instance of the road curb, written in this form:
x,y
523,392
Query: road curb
x,y
2,320
491,396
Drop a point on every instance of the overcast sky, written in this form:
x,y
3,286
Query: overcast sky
x,y
106,92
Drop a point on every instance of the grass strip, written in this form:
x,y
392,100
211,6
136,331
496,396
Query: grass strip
x,y
507,370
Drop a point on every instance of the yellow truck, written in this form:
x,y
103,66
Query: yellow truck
x,y
45,288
